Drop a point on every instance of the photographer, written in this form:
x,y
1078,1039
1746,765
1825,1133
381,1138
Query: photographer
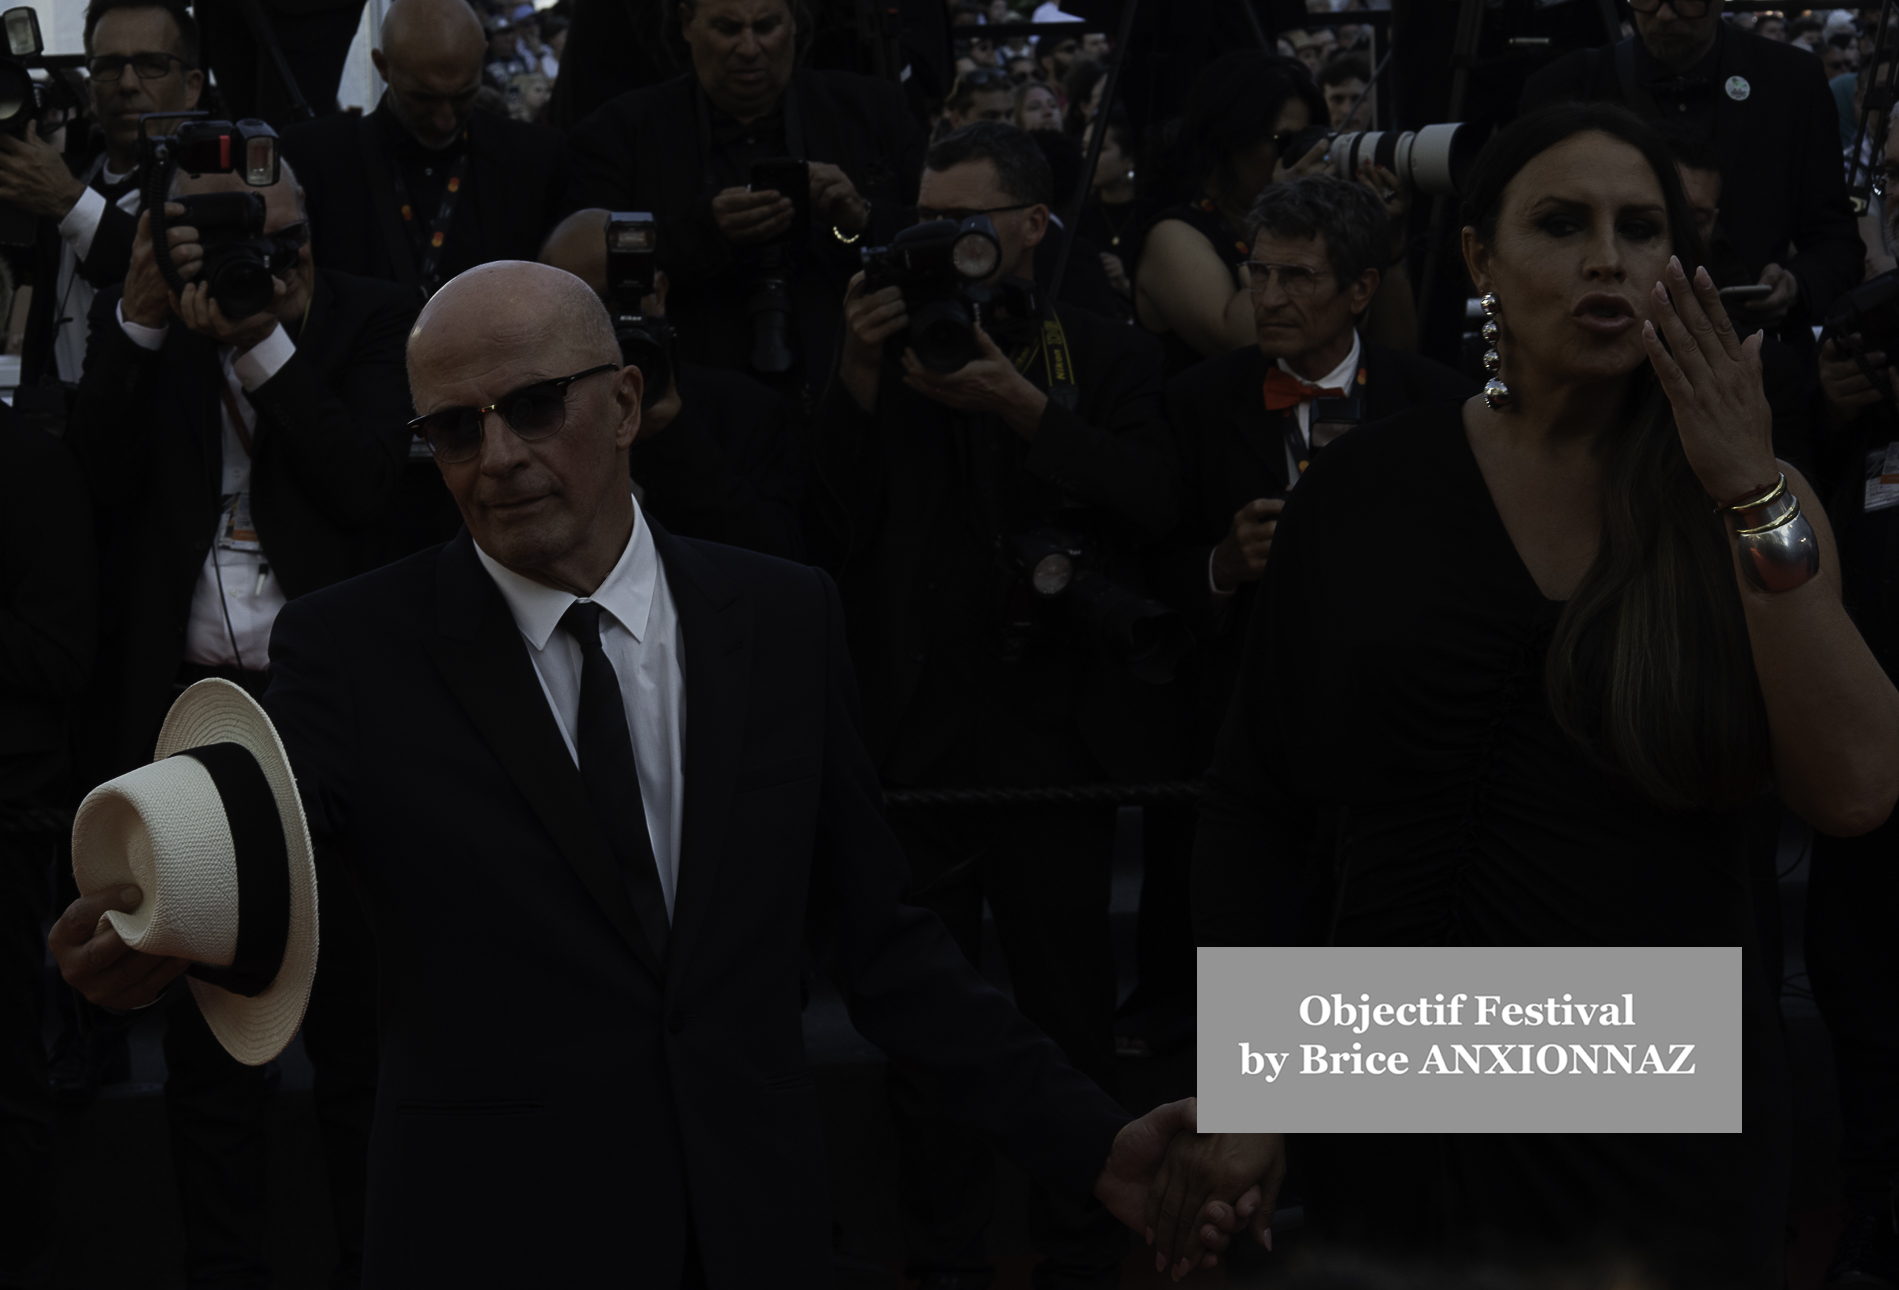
x,y
1852,888
424,186
756,273
141,56
1768,109
716,457
235,464
931,484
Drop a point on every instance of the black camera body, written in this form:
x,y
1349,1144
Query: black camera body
x,y
239,260
1063,574
940,267
646,342
22,103
237,256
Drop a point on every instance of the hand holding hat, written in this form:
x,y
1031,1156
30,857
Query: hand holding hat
x,y
96,961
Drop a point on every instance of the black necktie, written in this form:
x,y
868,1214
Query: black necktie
x,y
611,775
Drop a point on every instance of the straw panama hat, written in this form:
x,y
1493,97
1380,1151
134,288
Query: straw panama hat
x,y
213,833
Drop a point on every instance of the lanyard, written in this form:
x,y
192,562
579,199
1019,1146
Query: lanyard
x,y
1056,361
428,246
1299,447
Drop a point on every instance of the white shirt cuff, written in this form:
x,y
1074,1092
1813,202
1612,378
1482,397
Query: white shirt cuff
x,y
141,335
1212,584
82,221
261,361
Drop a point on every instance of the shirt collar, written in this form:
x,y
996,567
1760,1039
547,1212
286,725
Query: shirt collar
x,y
1340,377
627,592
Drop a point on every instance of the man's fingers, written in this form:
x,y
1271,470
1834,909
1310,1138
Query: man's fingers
x,y
75,926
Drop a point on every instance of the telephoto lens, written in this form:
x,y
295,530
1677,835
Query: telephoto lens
x,y
1432,160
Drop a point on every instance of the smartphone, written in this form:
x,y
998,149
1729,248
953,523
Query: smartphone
x,y
1741,295
791,179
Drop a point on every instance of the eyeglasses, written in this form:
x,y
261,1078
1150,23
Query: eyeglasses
x,y
1884,179
150,67
984,78
533,412
960,213
1686,8
1297,281
287,240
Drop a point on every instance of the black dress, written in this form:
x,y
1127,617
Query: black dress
x,y
1390,726
1227,243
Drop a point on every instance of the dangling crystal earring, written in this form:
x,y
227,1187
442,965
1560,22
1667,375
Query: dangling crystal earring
x,y
1496,393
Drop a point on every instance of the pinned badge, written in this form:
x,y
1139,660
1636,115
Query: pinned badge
x,y
1738,88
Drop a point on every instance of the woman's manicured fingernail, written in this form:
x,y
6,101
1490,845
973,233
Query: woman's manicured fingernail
x,y
1674,263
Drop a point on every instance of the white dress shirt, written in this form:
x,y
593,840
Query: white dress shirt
x,y
640,634
235,603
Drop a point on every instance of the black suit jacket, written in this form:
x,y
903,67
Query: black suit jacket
x,y
48,605
1783,183
551,1096
644,151
146,427
515,177
1233,451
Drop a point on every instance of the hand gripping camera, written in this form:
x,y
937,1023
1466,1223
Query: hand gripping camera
x,y
239,261
940,267
1065,575
24,102
1865,321
645,342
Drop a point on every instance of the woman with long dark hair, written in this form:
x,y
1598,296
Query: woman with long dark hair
x,y
1516,667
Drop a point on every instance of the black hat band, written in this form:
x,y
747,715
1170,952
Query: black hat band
x,y
263,869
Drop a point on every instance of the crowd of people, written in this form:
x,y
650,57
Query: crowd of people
x,y
963,473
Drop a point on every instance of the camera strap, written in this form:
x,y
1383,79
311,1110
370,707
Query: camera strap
x,y
1056,362
429,240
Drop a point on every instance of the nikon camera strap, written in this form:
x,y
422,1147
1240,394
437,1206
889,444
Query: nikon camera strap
x,y
1056,361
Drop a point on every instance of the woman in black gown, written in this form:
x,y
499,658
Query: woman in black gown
x,y
1508,684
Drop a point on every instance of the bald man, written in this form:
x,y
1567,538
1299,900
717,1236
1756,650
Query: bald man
x,y
602,787
236,464
717,457
422,188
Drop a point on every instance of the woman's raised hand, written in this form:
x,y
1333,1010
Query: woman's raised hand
x,y
1713,379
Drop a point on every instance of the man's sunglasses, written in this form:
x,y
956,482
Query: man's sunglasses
x,y
925,214
150,67
536,411
286,243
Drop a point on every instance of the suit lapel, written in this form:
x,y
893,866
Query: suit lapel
x,y
479,653
1262,431
715,625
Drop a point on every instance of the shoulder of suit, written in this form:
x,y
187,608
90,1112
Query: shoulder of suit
x,y
1425,376
1122,343
368,598
378,294
333,130
852,87
522,143
1210,375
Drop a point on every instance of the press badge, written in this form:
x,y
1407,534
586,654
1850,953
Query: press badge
x,y
1882,477
237,532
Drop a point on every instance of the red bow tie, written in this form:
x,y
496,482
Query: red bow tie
x,y
1284,390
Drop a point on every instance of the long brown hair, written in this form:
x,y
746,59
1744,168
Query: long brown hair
x,y
1649,667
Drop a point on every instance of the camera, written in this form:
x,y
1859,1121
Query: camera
x,y
632,261
940,266
1432,160
1866,320
1064,574
239,261
23,102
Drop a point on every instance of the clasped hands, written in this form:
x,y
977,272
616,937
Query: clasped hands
x,y
1187,1192
149,300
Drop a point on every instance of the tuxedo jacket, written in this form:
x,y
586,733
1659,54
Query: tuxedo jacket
x,y
148,432
515,177
647,151
1782,180
554,1100
1232,451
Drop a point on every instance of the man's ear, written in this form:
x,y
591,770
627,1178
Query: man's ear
x,y
629,387
194,86
1037,217
1360,293
382,64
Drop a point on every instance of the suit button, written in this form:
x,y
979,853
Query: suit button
x,y
676,1022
